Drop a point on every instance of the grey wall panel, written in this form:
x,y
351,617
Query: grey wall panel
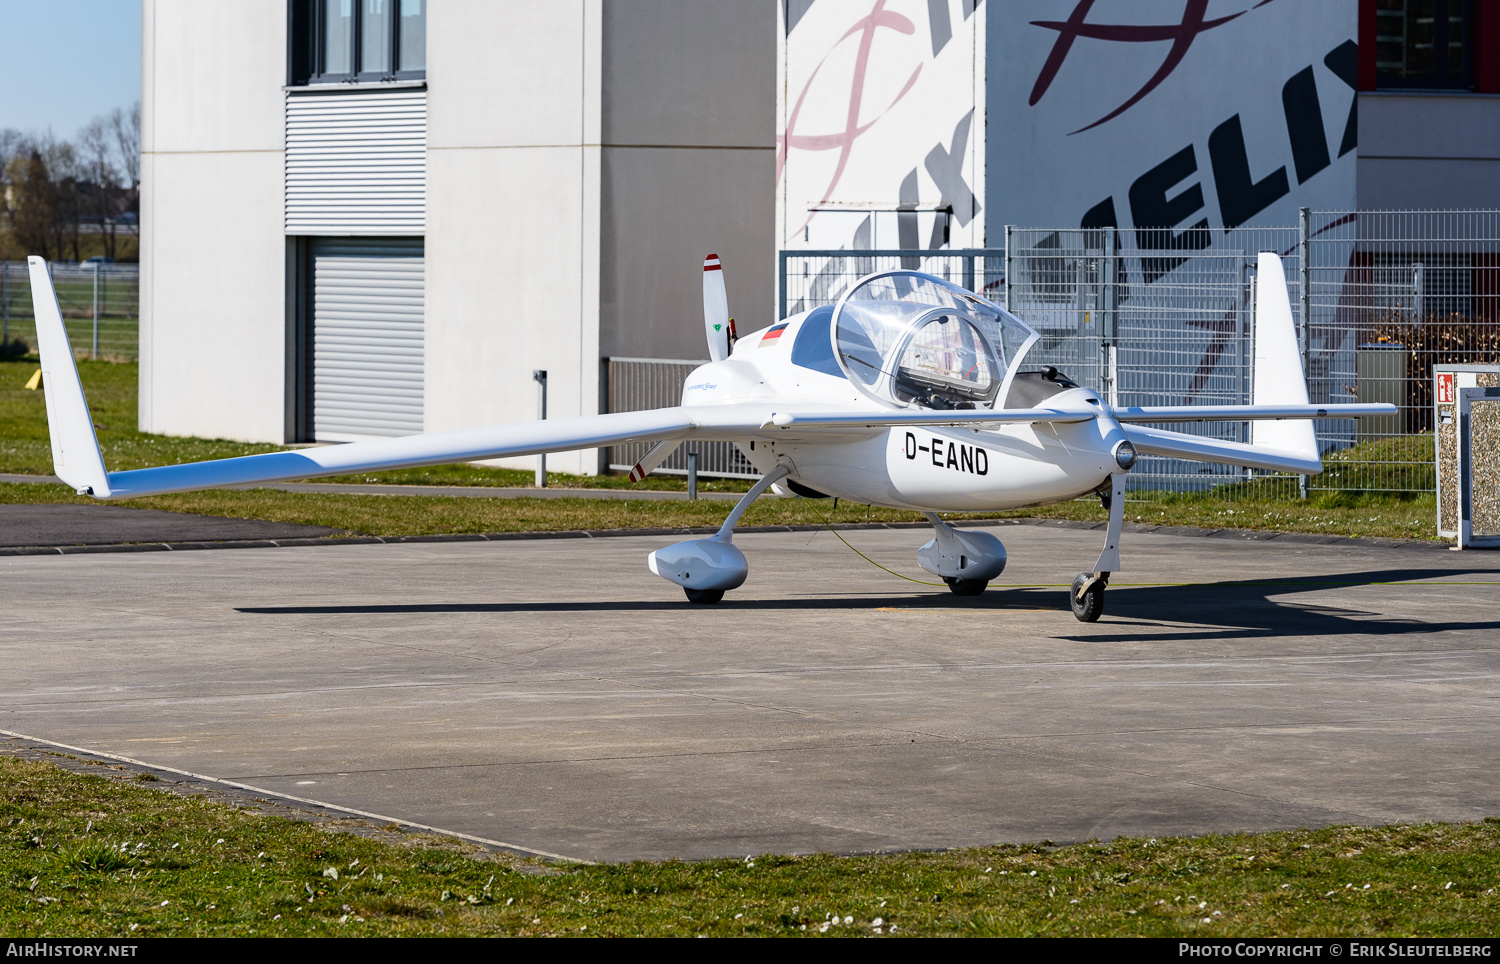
x,y
1428,184
356,163
651,264
689,73
366,337
1447,125
1428,151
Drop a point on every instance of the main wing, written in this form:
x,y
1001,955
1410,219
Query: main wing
x,y
1303,459
1247,413
1280,415
466,445
77,460
1155,441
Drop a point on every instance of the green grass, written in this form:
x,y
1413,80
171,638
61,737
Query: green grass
x,y
1328,513
100,856
384,515
24,449
112,392
111,389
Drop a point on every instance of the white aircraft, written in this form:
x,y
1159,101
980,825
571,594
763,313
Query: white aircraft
x,y
909,393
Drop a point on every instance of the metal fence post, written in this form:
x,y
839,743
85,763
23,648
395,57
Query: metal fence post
x,y
693,476
1304,298
1241,362
1009,272
781,288
94,348
1250,348
969,273
539,375
1107,317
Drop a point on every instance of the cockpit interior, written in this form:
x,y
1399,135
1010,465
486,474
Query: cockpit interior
x,y
906,338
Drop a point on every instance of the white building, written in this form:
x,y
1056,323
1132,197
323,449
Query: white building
x,y
1154,114
372,217
368,217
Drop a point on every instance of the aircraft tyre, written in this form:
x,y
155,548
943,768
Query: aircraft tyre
x,y
703,597
966,587
1088,608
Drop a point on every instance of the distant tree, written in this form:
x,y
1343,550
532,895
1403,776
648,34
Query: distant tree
x,y
126,126
12,144
33,204
103,195
63,170
49,188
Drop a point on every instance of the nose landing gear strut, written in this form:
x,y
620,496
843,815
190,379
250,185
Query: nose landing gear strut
x,y
1086,597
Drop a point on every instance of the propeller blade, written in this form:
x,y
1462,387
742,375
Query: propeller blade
x,y
715,309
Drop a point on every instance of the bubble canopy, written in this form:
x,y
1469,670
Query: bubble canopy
x,y
909,339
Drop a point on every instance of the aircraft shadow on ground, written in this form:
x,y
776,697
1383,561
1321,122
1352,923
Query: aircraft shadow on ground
x,y
1239,609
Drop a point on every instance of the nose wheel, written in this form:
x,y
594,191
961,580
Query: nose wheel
x,y
966,587
703,597
1087,595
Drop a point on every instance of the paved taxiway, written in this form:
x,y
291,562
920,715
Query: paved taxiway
x,y
555,695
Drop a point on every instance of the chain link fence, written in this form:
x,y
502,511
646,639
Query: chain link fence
x,y
1390,294
1151,318
100,307
1164,317
1145,316
640,384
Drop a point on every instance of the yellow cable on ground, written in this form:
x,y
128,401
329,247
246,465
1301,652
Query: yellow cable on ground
x,y
861,554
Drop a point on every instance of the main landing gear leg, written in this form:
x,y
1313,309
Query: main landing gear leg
x,y
965,559
1086,597
708,568
726,531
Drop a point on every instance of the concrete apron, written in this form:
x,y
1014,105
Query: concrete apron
x,y
555,696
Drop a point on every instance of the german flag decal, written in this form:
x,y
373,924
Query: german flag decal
x,y
772,335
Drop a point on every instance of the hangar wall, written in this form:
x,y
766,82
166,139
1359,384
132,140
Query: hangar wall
x,y
212,248
512,213
881,124
1428,150
1152,114
1105,131
688,133
580,160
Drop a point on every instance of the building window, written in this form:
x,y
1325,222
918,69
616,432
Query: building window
x,y
356,41
1424,44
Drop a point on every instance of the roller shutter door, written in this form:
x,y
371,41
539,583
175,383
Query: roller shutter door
x,y
356,163
365,337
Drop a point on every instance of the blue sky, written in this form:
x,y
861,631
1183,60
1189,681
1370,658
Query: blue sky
x,y
63,62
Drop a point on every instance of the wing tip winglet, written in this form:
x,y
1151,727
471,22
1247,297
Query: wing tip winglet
x,y
76,457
